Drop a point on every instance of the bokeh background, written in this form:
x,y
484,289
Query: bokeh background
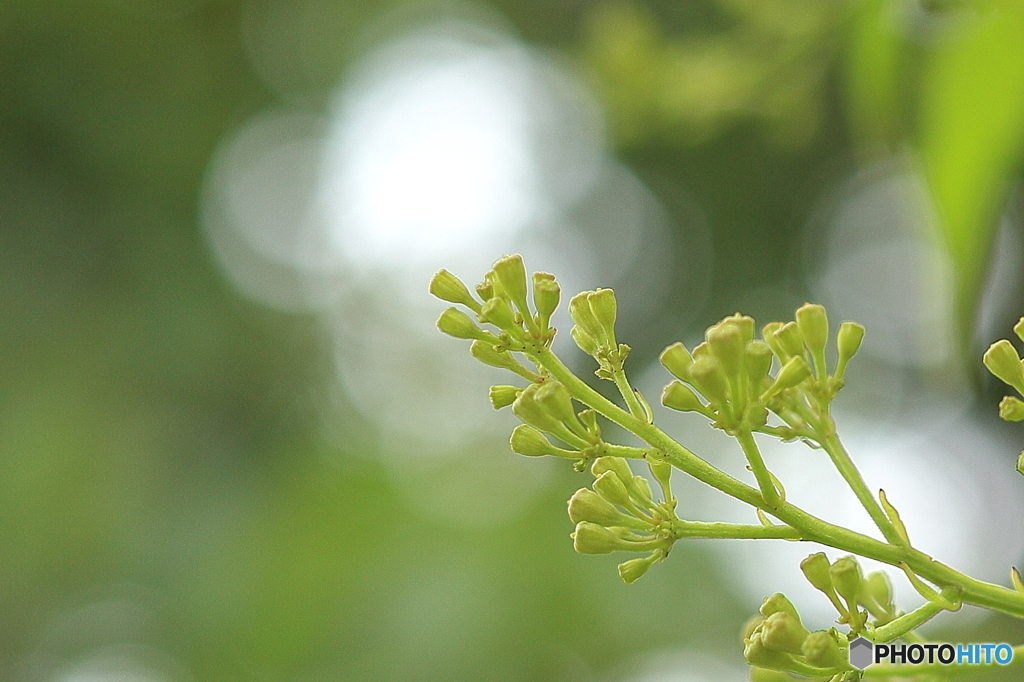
x,y
234,447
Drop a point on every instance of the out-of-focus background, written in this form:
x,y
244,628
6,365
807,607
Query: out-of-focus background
x,y
234,447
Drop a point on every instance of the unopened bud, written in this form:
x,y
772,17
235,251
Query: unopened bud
x,y
1002,360
498,312
602,304
533,413
485,290
848,341
680,397
454,322
768,333
726,342
510,272
528,441
778,603
877,588
822,649
662,472
554,397
782,632
489,355
585,341
634,569
546,294
503,396
790,339
591,538
583,316
792,374
586,505
618,465
1020,464
1011,409
846,578
709,378
448,287
760,655
758,357
1018,329
813,325
816,570
609,486
745,323
677,360
642,491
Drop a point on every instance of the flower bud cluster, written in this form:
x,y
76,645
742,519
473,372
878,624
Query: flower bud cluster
x,y
848,590
777,640
593,314
1002,360
728,376
619,514
502,300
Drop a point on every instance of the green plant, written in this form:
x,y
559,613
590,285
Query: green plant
x,y
779,385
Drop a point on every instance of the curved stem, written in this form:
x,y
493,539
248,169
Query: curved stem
x,y
812,528
757,465
701,529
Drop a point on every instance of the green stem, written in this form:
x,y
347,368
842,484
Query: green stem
x,y
844,464
811,527
622,383
757,465
701,529
905,623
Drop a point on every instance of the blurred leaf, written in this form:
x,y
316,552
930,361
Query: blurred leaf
x,y
873,59
972,134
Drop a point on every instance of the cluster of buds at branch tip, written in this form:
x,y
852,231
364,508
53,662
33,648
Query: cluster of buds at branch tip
x,y
619,514
777,641
1002,360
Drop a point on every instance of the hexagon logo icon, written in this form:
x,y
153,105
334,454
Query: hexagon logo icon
x,y
862,653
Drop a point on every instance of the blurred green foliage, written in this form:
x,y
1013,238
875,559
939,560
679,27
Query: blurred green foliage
x,y
159,435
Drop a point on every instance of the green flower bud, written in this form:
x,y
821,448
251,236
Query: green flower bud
x,y
1018,329
485,290
603,306
642,489
532,412
821,648
752,625
583,316
448,287
528,441
1011,409
708,377
454,322
584,340
848,341
701,350
554,397
677,360
782,632
758,654
634,569
778,603
503,396
489,355
790,339
768,333
1020,464
813,325
662,472
589,420
679,397
586,505
816,570
758,359
615,464
591,538
1002,360
794,372
546,294
609,486
498,312
745,323
876,593
847,579
510,272
726,342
